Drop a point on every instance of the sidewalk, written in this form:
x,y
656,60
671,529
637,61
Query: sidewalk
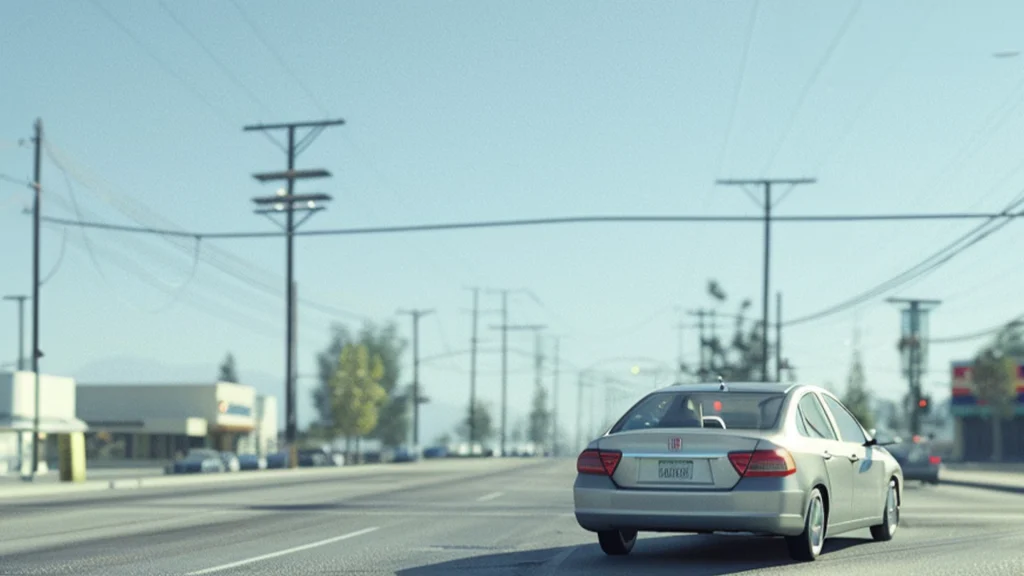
x,y
1005,478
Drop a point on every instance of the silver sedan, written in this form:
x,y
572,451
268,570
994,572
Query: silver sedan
x,y
764,458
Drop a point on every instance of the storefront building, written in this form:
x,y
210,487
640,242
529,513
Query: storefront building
x,y
973,420
17,419
146,422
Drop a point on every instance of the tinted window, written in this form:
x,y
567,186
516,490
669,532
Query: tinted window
x,y
849,428
812,415
739,410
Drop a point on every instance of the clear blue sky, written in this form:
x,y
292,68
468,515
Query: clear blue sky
x,y
488,110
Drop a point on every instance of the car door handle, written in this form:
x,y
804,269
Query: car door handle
x,y
827,455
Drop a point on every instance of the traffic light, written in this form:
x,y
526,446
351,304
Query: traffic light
x,y
924,405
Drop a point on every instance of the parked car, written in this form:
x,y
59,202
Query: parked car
x,y
199,461
314,457
435,452
769,458
231,463
278,460
404,454
252,462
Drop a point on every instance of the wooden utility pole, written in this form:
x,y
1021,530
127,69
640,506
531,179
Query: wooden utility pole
x,y
288,203
767,183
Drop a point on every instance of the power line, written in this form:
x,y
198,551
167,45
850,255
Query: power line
x,y
836,41
929,264
240,269
752,23
976,335
220,64
554,221
277,56
162,63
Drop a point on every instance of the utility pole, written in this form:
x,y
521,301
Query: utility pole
x,y
416,315
680,328
554,403
505,328
912,344
700,314
288,203
778,336
21,328
504,368
472,371
767,183
36,353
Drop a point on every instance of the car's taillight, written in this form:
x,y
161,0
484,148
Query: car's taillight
x,y
934,460
602,462
763,463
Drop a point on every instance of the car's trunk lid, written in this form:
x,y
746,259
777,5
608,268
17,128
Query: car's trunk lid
x,y
681,459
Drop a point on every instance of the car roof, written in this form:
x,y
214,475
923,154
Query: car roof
x,y
775,387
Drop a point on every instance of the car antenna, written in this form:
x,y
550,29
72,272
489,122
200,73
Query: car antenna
x,y
721,383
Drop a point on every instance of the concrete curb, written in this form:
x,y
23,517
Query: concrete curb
x,y
984,486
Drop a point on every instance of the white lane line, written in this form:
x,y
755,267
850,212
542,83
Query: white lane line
x,y
223,567
489,497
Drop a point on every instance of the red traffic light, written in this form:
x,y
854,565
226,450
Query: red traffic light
x,y
922,403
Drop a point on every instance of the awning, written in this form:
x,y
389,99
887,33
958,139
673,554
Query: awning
x,y
46,425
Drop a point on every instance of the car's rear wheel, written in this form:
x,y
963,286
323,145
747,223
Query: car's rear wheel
x,y
891,519
807,546
617,542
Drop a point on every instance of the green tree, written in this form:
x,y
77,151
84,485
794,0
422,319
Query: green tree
x,y
484,429
384,343
228,373
355,393
857,398
736,357
539,427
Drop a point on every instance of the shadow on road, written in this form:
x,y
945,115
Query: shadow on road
x,y
692,555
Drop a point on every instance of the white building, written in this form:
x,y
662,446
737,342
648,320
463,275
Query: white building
x,y
148,422
17,418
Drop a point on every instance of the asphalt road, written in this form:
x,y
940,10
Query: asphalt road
x,y
492,518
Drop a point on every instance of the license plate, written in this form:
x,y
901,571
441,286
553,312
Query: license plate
x,y
675,470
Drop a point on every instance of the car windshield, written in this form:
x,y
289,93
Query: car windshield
x,y
684,409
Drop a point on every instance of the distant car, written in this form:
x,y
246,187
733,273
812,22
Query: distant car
x,y
199,461
252,462
277,460
404,454
772,459
435,452
918,461
315,457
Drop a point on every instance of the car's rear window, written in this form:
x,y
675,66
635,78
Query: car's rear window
x,y
683,409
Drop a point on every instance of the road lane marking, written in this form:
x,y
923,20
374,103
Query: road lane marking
x,y
489,497
223,567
